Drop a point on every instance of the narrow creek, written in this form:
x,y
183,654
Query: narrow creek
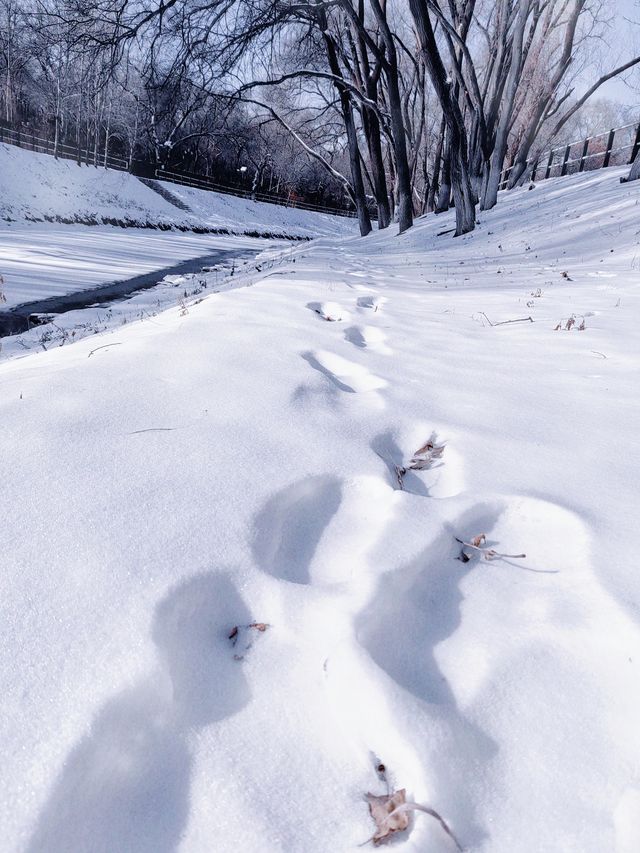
x,y
23,317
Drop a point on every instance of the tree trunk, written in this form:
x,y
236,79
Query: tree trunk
x,y
403,173
371,127
634,174
360,197
490,196
456,134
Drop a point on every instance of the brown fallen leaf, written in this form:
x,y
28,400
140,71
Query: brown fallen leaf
x,y
382,811
391,814
421,460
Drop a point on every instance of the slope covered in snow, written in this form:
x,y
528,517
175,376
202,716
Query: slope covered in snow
x,y
37,187
252,463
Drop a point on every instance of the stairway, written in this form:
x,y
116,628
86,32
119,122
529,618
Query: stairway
x,y
166,194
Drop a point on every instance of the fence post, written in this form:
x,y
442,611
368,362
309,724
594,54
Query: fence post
x,y
567,151
534,170
636,145
583,156
549,162
607,153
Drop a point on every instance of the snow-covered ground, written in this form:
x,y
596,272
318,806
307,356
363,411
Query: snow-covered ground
x,y
41,260
37,187
240,462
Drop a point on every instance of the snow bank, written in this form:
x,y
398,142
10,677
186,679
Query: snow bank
x,y
241,463
37,187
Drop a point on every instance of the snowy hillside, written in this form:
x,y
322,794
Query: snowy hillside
x,y
232,584
37,187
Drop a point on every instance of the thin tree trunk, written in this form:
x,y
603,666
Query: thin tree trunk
x,y
456,134
490,196
360,196
403,173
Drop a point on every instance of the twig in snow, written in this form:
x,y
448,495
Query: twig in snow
x,y
570,323
116,344
153,429
601,354
506,322
477,544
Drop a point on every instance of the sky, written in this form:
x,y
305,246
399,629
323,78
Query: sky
x,y
624,44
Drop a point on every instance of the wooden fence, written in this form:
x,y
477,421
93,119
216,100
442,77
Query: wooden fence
x,y
615,147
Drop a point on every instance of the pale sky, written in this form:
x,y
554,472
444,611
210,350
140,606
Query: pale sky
x,y
625,43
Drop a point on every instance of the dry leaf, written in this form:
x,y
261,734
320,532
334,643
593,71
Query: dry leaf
x,y
477,544
391,815
381,809
241,637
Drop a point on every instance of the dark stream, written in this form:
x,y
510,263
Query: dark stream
x,y
29,314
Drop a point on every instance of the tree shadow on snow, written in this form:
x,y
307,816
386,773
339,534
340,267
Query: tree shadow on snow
x,y
125,787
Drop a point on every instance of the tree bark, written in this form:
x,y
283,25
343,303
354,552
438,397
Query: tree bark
x,y
403,174
490,195
456,134
360,196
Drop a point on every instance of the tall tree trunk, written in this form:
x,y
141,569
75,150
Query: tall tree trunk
x,y
457,139
443,201
490,196
360,197
403,173
437,161
371,127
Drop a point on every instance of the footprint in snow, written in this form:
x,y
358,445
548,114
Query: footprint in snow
x,y
125,786
347,375
329,311
400,449
289,527
368,337
371,303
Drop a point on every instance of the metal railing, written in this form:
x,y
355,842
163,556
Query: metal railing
x,y
616,147
92,157
204,183
27,139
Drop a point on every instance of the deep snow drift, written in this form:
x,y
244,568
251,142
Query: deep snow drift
x,y
240,462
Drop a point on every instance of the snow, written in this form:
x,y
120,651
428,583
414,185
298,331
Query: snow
x,y
37,187
237,463
42,260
